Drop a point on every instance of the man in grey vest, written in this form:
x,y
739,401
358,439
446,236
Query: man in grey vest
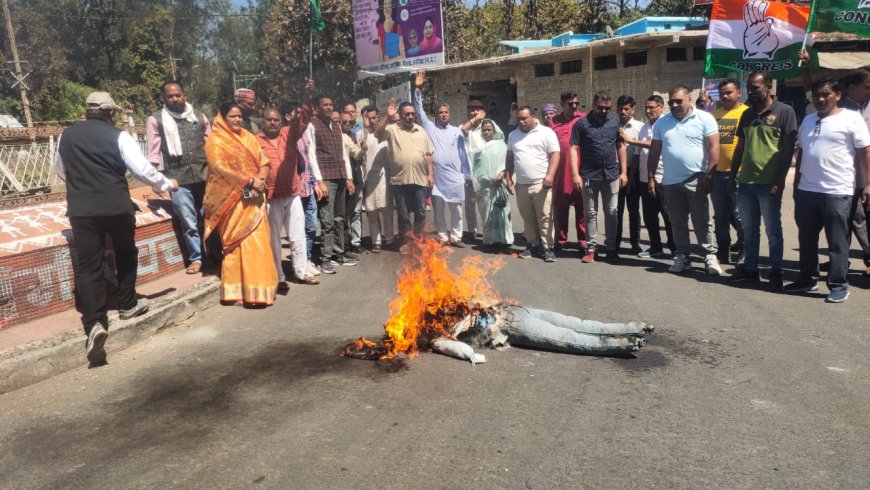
x,y
93,158
176,137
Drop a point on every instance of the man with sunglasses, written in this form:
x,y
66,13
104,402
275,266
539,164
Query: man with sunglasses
x,y
687,140
564,194
765,145
831,141
602,171
653,203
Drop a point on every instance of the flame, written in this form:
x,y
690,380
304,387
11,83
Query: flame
x,y
431,298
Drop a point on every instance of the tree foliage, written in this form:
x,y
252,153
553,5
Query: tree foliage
x,y
130,47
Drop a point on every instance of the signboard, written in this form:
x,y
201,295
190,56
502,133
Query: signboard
x,y
397,35
402,93
711,86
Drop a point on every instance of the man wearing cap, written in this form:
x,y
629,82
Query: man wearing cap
x,y
246,99
93,158
176,137
474,143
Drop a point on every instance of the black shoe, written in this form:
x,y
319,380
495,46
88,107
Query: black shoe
x,y
283,287
801,287
140,308
612,257
825,266
635,249
526,254
724,256
549,256
343,260
355,250
94,346
351,255
775,279
744,276
326,267
736,252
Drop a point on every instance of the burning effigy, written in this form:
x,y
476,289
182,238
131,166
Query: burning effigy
x,y
452,313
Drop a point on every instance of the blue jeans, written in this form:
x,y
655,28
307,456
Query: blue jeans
x,y
187,203
755,202
725,212
410,200
553,331
309,204
814,211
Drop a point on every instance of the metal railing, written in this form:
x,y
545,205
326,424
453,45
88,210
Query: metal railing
x,y
29,168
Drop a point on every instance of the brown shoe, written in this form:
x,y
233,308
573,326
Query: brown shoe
x,y
376,249
194,267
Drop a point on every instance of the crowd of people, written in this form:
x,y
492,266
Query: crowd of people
x,y
240,184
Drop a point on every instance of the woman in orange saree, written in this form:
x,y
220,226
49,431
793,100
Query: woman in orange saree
x,y
235,206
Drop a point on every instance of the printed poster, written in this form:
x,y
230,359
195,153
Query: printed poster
x,y
397,35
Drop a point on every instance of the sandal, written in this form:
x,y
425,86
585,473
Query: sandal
x,y
194,268
310,280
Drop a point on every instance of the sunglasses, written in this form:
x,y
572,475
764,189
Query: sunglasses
x,y
818,129
406,114
675,102
603,108
572,104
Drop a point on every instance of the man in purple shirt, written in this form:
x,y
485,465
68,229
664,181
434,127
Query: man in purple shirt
x,y
176,139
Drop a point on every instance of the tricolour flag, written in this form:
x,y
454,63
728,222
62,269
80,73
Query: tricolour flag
x,y
755,35
841,16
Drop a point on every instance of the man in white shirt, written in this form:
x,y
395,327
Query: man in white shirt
x,y
830,142
93,158
533,153
653,203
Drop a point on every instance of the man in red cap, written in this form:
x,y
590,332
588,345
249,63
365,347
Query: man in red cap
x,y
246,99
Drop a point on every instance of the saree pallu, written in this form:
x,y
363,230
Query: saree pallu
x,y
496,213
248,272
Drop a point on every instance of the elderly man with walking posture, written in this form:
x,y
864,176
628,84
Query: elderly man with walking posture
x,y
93,158
533,154
687,141
450,165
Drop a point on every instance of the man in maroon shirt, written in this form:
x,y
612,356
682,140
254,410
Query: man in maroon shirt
x,y
564,193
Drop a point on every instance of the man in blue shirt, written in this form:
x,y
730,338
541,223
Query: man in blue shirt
x,y
602,172
687,140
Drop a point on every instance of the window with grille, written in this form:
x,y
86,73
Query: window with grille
x,y
676,54
637,58
699,53
545,70
605,62
573,66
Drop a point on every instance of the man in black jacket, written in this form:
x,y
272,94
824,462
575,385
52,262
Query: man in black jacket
x,y
93,158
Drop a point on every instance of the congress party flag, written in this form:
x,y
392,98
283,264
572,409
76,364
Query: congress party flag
x,y
756,35
851,16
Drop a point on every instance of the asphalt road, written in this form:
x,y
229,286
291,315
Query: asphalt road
x,y
738,388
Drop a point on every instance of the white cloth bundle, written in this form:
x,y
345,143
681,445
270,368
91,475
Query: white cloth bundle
x,y
457,349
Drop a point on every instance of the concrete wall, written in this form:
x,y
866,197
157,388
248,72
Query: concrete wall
x,y
656,77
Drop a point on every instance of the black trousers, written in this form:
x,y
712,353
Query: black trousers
x,y
629,199
89,246
652,207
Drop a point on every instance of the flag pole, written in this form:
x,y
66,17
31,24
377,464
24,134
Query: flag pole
x,y
809,27
311,50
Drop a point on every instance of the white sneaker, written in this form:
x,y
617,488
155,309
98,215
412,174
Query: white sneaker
x,y
313,269
711,265
681,263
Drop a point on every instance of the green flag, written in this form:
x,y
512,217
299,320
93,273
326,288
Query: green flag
x,y
316,19
851,16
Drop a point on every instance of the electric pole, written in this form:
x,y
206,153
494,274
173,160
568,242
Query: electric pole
x,y
19,76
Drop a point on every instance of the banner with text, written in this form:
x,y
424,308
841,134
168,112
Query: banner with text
x,y
397,35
